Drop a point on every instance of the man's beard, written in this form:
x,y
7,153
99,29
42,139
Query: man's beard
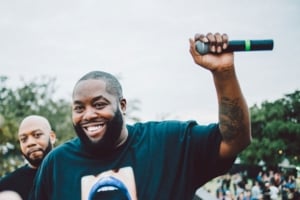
x,y
109,140
38,161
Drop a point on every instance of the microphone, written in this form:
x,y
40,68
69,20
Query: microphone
x,y
238,45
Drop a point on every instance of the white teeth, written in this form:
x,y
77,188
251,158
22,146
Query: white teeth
x,y
93,128
107,188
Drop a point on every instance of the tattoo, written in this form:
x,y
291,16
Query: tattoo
x,y
231,118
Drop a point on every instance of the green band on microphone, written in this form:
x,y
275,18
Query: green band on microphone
x,y
247,45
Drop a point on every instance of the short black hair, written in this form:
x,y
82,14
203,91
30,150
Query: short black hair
x,y
113,86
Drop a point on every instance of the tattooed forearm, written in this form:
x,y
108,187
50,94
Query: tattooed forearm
x,y
231,118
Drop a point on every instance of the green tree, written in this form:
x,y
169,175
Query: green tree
x,y
276,131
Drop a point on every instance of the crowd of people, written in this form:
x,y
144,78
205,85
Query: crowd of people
x,y
267,185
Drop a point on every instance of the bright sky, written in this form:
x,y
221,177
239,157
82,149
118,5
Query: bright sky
x,y
146,44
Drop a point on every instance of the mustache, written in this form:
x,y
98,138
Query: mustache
x,y
84,122
34,150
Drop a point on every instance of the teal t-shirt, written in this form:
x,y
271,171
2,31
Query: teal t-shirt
x,y
159,160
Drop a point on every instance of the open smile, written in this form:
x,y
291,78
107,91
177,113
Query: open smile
x,y
94,130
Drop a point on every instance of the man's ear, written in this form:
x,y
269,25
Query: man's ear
x,y
52,137
123,104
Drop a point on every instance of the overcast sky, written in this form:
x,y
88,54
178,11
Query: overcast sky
x,y
146,44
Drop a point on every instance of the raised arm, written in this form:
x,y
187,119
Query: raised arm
x,y
234,119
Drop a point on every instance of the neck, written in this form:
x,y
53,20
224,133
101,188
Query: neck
x,y
32,166
123,136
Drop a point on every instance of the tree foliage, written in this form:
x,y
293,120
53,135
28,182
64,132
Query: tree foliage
x,y
276,131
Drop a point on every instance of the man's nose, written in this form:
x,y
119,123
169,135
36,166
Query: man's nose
x,y
89,114
31,141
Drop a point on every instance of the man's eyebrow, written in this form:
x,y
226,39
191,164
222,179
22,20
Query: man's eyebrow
x,y
22,134
34,131
99,98
77,102
93,99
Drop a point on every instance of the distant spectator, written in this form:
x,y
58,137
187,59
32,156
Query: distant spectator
x,y
266,191
256,191
274,191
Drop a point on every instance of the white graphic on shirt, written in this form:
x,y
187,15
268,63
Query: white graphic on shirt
x,y
112,184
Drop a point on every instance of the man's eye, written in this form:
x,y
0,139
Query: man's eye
x,y
100,105
78,108
23,139
37,135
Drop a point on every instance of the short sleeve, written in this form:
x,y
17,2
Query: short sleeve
x,y
205,144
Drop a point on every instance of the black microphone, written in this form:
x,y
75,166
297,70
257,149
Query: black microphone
x,y
238,45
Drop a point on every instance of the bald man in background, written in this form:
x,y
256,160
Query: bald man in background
x,y
36,139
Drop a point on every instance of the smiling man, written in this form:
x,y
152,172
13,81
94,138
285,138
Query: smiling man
x,y
36,141
97,94
158,160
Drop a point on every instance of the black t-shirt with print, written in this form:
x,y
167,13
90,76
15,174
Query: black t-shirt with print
x,y
20,181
